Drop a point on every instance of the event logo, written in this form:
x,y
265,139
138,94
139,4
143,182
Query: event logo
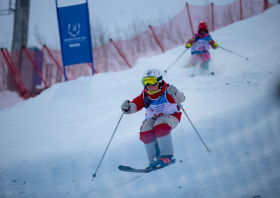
x,y
74,29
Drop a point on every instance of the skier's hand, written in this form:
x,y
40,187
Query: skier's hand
x,y
126,106
215,45
171,89
188,45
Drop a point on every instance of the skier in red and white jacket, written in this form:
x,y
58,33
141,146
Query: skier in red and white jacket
x,y
162,115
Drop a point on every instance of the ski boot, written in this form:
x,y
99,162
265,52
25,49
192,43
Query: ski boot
x,y
164,161
204,65
152,164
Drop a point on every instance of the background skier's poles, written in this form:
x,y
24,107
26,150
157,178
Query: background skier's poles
x,y
94,175
175,61
190,121
233,53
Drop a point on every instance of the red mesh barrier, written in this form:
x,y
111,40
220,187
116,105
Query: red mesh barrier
x,y
174,32
139,46
54,74
106,58
41,69
230,13
52,67
251,8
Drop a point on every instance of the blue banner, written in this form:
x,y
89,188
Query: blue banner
x,y
75,37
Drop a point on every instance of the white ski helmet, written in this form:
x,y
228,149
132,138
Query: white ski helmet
x,y
152,73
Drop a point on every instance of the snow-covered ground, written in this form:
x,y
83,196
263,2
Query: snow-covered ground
x,y
51,145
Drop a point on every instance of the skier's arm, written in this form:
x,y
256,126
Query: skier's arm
x,y
128,107
137,103
173,91
133,108
190,43
180,96
213,44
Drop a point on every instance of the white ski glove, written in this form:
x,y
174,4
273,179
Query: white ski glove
x,y
171,89
126,107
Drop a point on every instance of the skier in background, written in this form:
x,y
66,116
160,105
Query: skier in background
x,y
162,115
199,45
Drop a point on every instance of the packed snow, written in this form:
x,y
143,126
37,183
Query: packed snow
x,y
51,145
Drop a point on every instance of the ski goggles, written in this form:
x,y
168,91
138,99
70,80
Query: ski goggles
x,y
203,30
150,80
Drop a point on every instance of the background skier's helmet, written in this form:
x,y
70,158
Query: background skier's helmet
x,y
151,77
203,27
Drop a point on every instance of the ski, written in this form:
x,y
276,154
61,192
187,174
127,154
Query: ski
x,y
129,169
188,66
210,74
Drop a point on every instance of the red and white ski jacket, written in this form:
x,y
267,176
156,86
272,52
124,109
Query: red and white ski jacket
x,y
140,103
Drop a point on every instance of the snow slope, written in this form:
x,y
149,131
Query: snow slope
x,y
51,145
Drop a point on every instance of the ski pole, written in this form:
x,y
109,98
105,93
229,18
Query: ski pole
x,y
189,120
94,175
233,53
175,60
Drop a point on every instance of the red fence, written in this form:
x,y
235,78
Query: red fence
x,y
29,72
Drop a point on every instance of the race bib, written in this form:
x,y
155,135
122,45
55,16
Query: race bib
x,y
200,45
